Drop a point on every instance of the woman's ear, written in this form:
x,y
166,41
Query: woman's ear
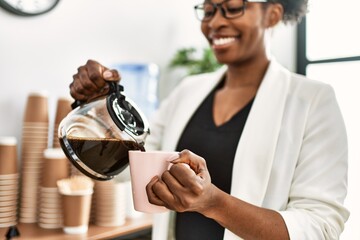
x,y
274,14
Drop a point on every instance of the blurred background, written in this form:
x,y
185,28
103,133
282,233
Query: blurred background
x,y
42,53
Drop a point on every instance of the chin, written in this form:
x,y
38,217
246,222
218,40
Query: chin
x,y
223,59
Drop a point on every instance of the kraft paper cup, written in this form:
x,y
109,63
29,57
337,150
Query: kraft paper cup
x,y
8,200
63,108
143,167
9,177
110,203
76,194
34,142
36,109
8,192
8,187
76,212
8,155
55,167
9,203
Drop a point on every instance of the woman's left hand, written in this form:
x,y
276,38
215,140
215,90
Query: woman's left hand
x,y
183,188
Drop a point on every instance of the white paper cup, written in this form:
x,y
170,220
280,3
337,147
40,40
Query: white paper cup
x,y
143,167
76,230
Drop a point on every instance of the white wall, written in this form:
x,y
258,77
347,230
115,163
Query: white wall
x,y
44,52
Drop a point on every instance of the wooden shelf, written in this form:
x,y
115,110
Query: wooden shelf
x,y
31,231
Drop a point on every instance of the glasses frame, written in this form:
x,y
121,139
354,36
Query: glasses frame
x,y
219,6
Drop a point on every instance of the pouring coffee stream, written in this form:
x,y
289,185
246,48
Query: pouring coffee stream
x,y
96,136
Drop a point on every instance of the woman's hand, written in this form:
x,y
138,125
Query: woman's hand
x,y
190,189
90,81
184,188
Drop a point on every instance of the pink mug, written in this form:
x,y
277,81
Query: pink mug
x,y
143,167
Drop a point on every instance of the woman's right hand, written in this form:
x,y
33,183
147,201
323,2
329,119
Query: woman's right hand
x,y
90,81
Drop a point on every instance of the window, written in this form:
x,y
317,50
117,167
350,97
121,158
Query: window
x,y
329,51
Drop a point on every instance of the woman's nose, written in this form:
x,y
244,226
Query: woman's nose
x,y
218,19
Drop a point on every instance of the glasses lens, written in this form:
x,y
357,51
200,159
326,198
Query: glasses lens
x,y
205,11
234,8
229,9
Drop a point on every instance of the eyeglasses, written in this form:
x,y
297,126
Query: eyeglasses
x,y
229,9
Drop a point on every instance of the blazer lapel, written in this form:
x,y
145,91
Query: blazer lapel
x,y
256,149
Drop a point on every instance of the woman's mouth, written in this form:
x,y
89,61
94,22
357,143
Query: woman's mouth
x,y
222,42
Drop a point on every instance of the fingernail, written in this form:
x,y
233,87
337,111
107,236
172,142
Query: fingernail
x,y
154,178
107,74
186,165
176,159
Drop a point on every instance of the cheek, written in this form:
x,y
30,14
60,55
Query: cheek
x,y
254,30
204,29
255,41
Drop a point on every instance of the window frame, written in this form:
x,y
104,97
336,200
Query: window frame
x,y
301,59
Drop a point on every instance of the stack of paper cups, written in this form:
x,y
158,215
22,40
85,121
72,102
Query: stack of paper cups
x,y
9,178
34,142
110,205
93,210
63,108
55,167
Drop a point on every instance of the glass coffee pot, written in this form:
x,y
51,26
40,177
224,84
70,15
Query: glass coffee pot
x,y
97,136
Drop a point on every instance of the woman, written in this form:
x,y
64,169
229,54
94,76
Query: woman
x,y
267,148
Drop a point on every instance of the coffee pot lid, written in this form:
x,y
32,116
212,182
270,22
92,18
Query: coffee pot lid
x,y
126,115
124,112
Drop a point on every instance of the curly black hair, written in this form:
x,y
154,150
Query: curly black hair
x,y
294,10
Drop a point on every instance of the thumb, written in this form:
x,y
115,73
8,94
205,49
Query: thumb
x,y
196,163
111,75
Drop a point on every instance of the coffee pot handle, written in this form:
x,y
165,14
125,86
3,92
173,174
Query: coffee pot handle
x,y
114,87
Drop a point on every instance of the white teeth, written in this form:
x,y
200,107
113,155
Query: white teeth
x,y
222,41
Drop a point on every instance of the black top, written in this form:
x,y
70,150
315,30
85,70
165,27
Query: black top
x,y
217,145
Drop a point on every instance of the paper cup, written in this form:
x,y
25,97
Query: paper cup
x,y
63,107
143,167
8,155
111,203
76,212
37,108
55,167
62,110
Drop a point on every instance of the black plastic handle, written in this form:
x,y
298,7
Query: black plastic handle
x,y
114,87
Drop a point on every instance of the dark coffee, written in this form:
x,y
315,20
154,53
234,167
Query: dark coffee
x,y
104,156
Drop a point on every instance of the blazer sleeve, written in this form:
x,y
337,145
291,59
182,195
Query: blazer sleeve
x,y
316,200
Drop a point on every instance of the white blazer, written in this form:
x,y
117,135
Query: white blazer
x,y
292,155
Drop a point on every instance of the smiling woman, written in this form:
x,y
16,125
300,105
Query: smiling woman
x,y
28,7
256,137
